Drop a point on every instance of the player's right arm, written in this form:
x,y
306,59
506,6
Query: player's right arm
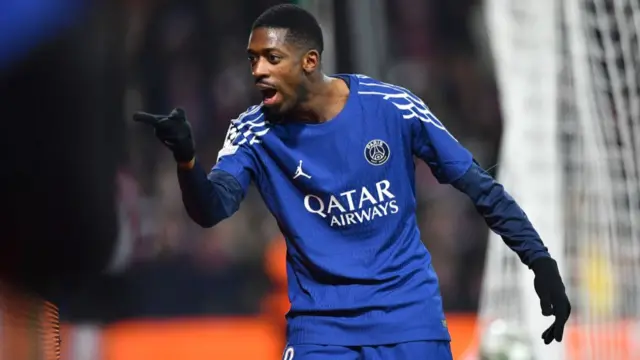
x,y
211,198
208,198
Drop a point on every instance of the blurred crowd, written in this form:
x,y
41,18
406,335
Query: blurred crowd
x,y
190,53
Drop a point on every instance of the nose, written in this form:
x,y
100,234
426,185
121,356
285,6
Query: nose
x,y
260,69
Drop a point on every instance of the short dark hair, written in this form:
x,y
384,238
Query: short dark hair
x,y
303,28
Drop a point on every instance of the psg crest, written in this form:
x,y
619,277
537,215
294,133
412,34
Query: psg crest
x,y
377,152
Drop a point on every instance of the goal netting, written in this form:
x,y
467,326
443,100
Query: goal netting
x,y
569,75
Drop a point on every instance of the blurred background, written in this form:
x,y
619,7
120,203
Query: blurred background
x,y
132,276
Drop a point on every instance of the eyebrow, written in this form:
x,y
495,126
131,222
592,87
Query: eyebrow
x,y
249,51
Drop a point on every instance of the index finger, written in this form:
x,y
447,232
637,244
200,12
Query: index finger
x,y
146,118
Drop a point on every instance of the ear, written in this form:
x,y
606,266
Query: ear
x,y
311,61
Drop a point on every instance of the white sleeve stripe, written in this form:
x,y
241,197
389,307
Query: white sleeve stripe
x,y
397,88
251,123
247,128
410,106
250,111
261,132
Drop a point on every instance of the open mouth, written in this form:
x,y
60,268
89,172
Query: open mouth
x,y
269,96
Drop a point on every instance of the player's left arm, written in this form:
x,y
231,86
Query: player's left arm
x,y
452,163
502,213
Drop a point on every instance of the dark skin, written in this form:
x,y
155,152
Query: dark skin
x,y
291,80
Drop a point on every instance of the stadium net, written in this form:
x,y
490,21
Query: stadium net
x,y
568,72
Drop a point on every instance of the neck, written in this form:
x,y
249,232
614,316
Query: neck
x,y
325,97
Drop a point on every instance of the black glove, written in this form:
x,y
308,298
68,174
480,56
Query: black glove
x,y
173,130
553,297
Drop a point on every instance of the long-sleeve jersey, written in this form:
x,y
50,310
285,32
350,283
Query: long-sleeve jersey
x,y
343,194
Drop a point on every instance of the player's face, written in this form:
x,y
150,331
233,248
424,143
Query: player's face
x,y
277,67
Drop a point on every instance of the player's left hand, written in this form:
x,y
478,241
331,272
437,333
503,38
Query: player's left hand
x,y
553,297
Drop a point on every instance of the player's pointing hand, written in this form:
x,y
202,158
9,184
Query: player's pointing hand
x,y
173,130
553,297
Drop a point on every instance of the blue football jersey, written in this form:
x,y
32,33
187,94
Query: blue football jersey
x,y
343,194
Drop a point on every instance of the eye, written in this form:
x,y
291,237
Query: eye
x,y
274,59
251,58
